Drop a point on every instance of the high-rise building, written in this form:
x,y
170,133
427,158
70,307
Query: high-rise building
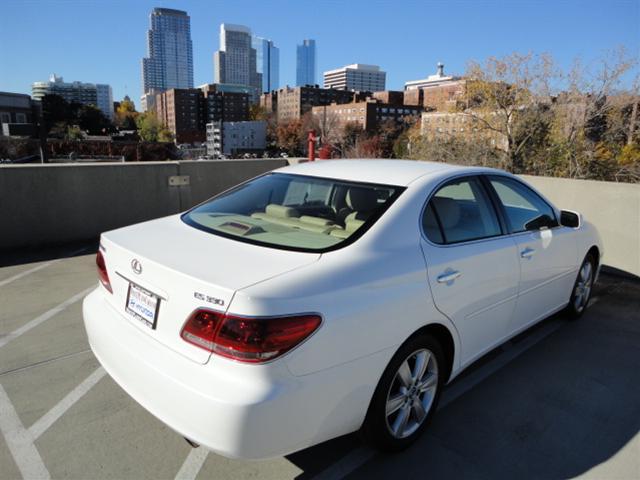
x,y
267,62
98,95
169,61
356,77
236,61
104,99
306,63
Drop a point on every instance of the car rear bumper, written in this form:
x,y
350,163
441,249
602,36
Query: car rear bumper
x,y
235,409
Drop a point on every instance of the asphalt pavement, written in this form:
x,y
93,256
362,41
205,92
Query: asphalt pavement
x,y
562,400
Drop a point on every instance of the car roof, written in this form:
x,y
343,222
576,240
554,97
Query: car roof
x,y
380,171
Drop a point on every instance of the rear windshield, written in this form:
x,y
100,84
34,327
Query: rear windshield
x,y
294,212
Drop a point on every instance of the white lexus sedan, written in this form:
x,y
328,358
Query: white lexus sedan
x,y
330,297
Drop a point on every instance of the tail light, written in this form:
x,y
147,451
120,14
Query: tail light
x,y
253,340
102,271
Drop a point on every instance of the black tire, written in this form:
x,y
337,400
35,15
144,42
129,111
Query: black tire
x,y
377,429
577,306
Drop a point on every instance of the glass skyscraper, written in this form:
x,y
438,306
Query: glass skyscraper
x,y
306,73
236,61
267,62
169,61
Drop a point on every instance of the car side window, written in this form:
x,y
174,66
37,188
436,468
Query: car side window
x,y
460,211
521,204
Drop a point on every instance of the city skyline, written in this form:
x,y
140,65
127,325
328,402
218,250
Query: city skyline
x,y
235,62
169,60
115,45
268,62
306,64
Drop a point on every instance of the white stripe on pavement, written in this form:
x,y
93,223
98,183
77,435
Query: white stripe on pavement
x,y
192,464
18,276
361,455
49,418
20,441
44,317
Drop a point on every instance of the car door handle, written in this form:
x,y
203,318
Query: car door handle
x,y
449,276
527,252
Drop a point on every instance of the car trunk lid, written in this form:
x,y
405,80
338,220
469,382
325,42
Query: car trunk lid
x,y
162,270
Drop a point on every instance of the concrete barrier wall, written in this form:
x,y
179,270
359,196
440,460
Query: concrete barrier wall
x,y
208,178
612,207
46,204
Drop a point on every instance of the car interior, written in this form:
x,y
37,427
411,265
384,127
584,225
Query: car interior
x,y
294,211
349,208
459,212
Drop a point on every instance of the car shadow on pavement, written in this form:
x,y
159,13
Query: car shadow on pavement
x,y
560,409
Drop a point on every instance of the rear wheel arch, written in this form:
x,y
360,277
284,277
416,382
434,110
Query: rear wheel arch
x,y
445,338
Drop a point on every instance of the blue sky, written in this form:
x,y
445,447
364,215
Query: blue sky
x,y
103,41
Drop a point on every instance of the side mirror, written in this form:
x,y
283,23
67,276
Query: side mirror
x,y
541,221
569,219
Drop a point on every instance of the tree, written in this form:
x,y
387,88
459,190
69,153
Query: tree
x,y
328,126
92,120
389,131
257,112
151,130
74,133
593,116
500,91
290,137
55,110
58,115
125,115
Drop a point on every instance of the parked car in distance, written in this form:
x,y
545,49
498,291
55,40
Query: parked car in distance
x,y
330,297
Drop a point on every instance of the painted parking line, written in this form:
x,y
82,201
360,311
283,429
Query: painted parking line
x,y
361,455
18,276
44,362
49,418
44,317
20,441
192,464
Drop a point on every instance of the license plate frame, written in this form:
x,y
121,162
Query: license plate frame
x,y
143,299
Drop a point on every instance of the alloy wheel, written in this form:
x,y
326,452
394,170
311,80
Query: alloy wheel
x,y
412,393
582,290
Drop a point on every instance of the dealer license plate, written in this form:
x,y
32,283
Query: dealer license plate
x,y
143,305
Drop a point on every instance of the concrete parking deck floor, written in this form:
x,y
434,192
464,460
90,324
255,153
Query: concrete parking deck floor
x,y
562,400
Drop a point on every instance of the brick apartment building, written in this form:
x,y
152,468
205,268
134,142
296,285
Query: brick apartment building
x,y
223,105
291,103
465,126
436,92
391,97
185,112
180,110
368,114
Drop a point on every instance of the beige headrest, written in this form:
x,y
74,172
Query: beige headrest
x,y
281,211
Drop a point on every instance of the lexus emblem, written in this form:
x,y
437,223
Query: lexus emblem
x,y
136,266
